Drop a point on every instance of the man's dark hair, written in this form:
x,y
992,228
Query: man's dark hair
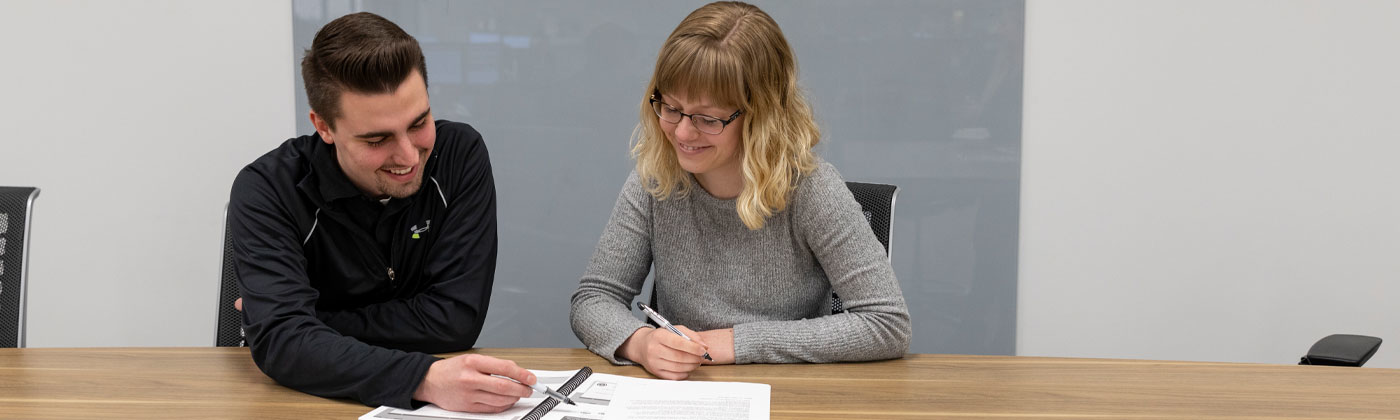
x,y
360,52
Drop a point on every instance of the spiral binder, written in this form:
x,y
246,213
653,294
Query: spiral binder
x,y
568,387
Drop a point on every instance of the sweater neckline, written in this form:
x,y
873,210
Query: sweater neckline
x,y
704,195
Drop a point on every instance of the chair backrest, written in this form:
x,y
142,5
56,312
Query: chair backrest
x,y
16,215
229,331
1342,350
877,202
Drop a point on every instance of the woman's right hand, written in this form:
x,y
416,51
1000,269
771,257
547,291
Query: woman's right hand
x,y
663,353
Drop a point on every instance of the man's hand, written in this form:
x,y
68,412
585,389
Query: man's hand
x,y
665,354
238,304
464,383
721,345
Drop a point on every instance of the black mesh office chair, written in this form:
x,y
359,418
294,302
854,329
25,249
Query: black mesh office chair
x,y
16,213
877,202
229,332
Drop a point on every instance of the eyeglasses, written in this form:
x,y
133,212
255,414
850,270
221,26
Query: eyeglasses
x,y
705,123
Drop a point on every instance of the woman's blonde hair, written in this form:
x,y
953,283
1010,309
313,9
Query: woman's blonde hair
x,y
734,54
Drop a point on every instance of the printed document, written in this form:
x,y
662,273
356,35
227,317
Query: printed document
x,y
603,396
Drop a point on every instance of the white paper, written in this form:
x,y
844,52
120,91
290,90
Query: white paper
x,y
690,400
603,396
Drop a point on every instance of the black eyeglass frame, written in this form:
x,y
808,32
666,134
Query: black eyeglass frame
x,y
723,123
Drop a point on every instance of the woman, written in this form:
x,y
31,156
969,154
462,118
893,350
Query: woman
x,y
749,232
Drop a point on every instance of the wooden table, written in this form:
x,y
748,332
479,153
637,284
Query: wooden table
x,y
224,383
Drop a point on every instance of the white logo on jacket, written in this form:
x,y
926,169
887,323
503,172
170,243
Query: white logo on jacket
x,y
416,230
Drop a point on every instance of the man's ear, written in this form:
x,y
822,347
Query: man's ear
x,y
323,127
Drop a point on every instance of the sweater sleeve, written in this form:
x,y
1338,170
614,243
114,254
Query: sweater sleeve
x,y
600,315
288,342
876,323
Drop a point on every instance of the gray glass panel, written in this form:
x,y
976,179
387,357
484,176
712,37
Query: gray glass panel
x,y
925,95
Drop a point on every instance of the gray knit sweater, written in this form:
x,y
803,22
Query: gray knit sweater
x,y
772,285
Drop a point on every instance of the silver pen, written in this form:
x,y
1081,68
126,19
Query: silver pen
x,y
664,323
541,389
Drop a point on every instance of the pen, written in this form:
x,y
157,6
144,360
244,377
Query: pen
x,y
541,389
663,322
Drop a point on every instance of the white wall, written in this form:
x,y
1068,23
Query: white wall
x,y
133,117
1210,180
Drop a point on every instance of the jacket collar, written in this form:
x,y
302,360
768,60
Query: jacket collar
x,y
326,178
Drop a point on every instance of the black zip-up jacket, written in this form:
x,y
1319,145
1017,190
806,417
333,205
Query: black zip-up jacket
x,y
344,296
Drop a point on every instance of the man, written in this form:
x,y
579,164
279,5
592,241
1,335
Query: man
x,y
372,243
